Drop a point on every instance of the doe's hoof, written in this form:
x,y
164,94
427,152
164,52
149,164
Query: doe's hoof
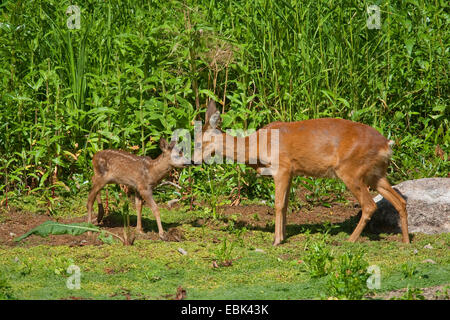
x,y
99,218
277,242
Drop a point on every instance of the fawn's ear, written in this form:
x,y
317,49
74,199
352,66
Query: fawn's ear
x,y
163,144
212,115
172,144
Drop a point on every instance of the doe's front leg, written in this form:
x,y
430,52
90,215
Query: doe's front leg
x,y
282,187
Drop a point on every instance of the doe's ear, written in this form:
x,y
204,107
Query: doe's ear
x,y
210,110
212,114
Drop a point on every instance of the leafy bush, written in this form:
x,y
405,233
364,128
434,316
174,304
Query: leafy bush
x,y
408,270
223,255
6,291
318,259
133,73
349,278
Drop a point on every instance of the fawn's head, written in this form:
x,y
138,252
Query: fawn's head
x,y
173,155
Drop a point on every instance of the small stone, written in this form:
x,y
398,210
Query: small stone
x,y
172,202
182,251
429,261
416,251
428,246
259,250
12,234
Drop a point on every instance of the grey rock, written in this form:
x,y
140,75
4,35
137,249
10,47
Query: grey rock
x,y
427,203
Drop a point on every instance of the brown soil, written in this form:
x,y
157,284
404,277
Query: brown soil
x,y
261,215
15,223
431,293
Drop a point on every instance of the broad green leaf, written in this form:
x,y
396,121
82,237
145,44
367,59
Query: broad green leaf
x,y
409,44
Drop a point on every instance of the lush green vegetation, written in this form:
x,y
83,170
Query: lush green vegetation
x,y
137,70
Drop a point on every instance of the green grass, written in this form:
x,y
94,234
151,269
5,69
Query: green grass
x,y
155,269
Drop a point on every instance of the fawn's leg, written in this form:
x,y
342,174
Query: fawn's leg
x,y
101,211
138,203
385,189
97,185
282,186
147,195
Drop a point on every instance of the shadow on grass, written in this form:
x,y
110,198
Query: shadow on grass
x,y
115,220
346,226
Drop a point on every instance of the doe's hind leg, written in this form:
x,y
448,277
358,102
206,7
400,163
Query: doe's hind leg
x,y
386,190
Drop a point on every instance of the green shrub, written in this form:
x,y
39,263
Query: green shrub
x,y
223,255
409,270
6,291
349,278
318,259
411,294
134,73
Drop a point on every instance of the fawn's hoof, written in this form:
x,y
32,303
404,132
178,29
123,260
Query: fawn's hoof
x,y
163,236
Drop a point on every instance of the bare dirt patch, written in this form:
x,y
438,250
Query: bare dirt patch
x,y
261,215
431,293
14,223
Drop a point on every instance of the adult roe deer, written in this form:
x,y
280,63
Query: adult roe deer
x,y
354,152
138,172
